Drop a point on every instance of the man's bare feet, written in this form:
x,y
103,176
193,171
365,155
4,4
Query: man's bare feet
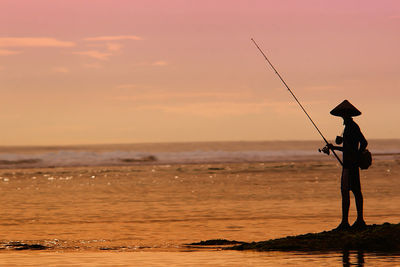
x,y
358,225
343,226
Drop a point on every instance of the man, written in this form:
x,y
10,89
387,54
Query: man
x,y
353,144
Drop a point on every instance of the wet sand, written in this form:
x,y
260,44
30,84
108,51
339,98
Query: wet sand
x,y
157,209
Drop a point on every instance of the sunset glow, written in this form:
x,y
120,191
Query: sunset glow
x,y
84,72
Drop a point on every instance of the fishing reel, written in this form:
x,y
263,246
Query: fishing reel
x,y
325,150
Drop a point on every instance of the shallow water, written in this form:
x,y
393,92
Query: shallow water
x,y
142,215
196,258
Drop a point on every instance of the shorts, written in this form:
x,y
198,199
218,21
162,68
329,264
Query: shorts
x,y
350,179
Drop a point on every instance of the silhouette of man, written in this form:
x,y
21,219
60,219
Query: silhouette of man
x,y
354,143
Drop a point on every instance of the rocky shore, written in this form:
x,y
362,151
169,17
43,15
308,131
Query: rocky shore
x,y
384,237
379,238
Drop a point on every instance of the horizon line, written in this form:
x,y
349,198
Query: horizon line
x,y
173,142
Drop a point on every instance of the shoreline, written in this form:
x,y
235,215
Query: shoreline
x,y
374,238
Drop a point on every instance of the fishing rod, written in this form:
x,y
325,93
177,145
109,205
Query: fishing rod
x,y
298,102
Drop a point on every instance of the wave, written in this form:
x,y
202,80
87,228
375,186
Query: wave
x,y
90,158
64,158
20,161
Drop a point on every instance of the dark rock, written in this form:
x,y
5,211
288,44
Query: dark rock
x,y
23,246
140,159
385,237
216,242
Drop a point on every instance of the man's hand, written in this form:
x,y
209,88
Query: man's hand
x,y
327,149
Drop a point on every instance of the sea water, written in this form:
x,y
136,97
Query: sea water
x,y
174,153
141,212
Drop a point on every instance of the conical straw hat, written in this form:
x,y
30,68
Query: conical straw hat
x,y
345,109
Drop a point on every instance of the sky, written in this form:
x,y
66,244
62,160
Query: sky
x,y
116,71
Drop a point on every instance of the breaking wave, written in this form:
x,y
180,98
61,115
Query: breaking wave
x,y
89,158
123,155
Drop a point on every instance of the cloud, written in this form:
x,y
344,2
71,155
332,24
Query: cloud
x,y
5,52
394,17
33,42
109,46
210,109
94,54
203,103
113,38
113,47
321,88
159,63
61,69
126,86
93,66
162,96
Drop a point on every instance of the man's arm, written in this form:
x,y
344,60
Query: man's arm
x,y
332,147
329,147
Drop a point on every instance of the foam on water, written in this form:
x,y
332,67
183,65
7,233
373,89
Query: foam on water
x,y
90,158
172,153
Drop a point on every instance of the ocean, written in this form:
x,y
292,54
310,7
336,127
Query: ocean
x,y
174,153
139,204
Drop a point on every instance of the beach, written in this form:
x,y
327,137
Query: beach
x,y
143,213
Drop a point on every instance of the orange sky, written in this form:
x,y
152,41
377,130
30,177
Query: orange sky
x,y
74,72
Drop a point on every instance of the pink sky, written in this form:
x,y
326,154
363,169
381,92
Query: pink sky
x,y
74,72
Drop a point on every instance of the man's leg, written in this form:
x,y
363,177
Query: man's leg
x,y
344,225
345,206
359,204
356,188
345,190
